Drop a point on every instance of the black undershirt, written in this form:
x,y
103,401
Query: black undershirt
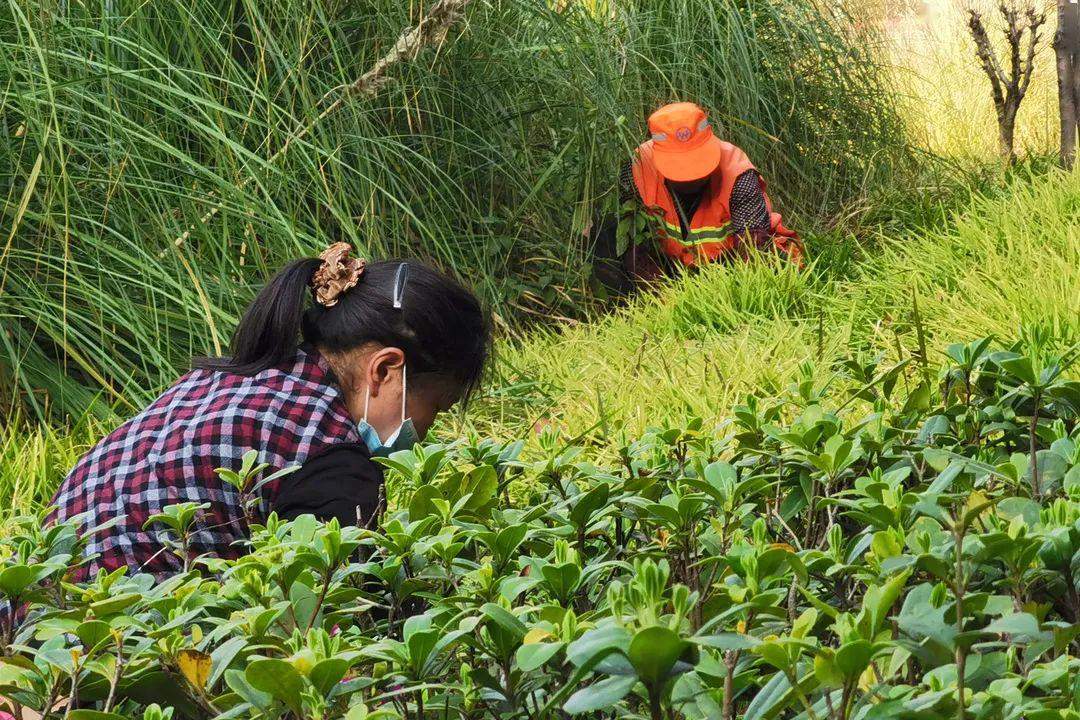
x,y
340,482
686,204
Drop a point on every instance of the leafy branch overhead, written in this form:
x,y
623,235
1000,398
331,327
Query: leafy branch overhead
x,y
1008,88
897,554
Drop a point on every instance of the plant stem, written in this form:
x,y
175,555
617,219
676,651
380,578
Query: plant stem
x,y
319,601
73,700
802,696
1033,449
655,711
731,657
958,591
186,551
116,676
829,707
46,709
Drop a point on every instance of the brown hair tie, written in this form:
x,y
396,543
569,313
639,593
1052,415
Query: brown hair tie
x,y
338,273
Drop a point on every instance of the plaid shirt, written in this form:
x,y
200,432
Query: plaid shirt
x,y
167,454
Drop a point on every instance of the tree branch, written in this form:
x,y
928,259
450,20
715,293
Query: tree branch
x,y
1035,21
1013,33
987,58
431,29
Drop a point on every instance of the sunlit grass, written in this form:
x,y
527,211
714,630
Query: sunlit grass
x,y
944,94
32,463
697,347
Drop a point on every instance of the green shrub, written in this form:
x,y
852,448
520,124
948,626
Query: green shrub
x,y
889,554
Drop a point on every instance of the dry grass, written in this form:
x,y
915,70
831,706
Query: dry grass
x,y
944,95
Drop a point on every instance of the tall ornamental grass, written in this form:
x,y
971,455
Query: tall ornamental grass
x,y
125,123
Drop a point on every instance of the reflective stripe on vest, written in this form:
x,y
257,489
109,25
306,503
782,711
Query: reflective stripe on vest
x,y
696,236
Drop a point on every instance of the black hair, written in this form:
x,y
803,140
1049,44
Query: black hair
x,y
440,325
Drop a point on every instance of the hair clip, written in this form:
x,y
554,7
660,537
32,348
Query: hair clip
x,y
399,284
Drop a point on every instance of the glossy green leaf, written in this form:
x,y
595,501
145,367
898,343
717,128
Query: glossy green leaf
x,y
654,651
600,695
278,679
531,656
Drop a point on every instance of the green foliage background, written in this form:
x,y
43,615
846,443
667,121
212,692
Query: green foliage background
x,y
125,122
759,492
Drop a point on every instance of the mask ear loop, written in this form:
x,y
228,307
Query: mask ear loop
x,y
404,391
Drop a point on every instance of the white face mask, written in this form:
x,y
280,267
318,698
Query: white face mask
x,y
403,438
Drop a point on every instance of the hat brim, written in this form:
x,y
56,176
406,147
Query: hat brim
x,y
689,165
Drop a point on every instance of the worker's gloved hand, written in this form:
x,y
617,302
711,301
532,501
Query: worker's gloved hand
x,y
642,266
750,242
763,240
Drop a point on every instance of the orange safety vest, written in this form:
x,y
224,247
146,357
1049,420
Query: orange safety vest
x,y
710,234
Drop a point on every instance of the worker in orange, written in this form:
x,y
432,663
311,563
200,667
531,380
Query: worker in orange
x,y
706,200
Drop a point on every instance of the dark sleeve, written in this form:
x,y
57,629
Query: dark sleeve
x,y
609,267
748,210
341,482
627,189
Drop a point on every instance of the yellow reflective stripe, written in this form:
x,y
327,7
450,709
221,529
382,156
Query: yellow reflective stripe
x,y
718,233
696,241
698,236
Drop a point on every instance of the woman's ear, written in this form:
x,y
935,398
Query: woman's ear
x,y
383,364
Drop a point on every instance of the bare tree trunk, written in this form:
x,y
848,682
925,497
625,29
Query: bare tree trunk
x,y
1067,50
1008,88
1007,133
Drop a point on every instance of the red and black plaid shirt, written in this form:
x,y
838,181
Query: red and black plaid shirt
x,y
167,454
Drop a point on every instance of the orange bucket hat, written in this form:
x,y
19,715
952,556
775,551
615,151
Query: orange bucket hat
x,y
684,145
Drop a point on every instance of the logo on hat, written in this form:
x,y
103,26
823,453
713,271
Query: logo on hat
x,y
682,134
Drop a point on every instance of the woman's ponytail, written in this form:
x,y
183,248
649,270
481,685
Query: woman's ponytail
x,y
268,332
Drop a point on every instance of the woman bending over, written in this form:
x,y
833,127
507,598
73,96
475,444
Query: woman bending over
x,y
359,371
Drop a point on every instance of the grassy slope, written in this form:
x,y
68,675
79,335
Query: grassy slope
x,y
697,346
